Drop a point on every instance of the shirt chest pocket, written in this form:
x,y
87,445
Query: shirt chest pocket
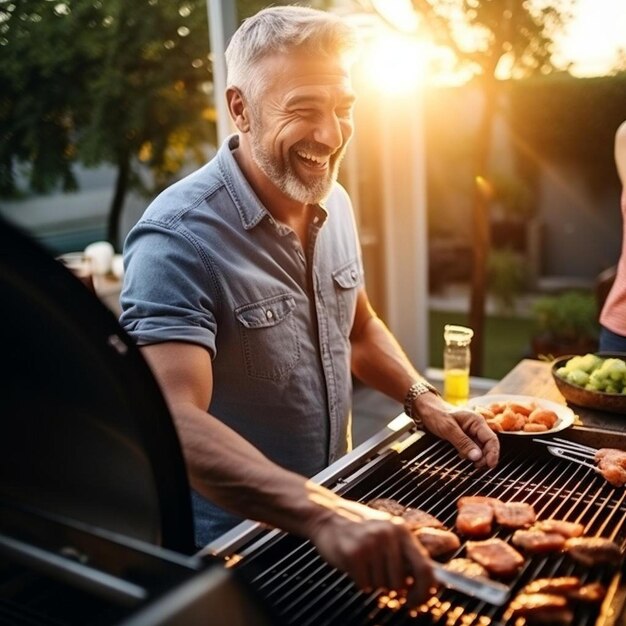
x,y
269,337
346,280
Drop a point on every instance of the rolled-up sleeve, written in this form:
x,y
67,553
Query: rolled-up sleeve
x,y
168,294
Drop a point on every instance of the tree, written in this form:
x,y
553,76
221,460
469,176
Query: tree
x,y
126,83
509,39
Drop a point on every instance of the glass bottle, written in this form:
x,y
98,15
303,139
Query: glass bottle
x,y
456,363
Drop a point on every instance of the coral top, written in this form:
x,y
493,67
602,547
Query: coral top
x,y
613,315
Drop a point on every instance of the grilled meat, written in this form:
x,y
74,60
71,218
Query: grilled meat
x,y
612,465
467,567
568,586
515,514
593,550
537,541
437,541
475,515
496,556
541,608
465,500
388,505
546,417
566,529
593,592
611,455
559,586
416,518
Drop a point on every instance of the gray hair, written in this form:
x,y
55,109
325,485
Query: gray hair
x,y
281,29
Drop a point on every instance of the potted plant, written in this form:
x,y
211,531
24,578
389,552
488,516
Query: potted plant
x,y
507,278
567,323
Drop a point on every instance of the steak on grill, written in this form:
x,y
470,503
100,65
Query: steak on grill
x,y
537,541
437,541
467,567
388,505
566,529
515,514
496,556
475,515
416,518
541,608
593,550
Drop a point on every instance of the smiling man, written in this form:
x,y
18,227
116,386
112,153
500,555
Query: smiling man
x,y
244,289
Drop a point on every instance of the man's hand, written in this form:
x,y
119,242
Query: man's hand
x,y
375,549
466,430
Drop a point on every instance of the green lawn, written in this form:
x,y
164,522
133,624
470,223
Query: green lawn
x,y
507,340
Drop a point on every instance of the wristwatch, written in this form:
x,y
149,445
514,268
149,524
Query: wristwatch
x,y
417,389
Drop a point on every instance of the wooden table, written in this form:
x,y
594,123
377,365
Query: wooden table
x,y
534,378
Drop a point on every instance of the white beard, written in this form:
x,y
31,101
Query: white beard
x,y
285,178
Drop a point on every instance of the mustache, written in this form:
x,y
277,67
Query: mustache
x,y
314,148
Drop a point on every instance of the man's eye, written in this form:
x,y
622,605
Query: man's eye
x,y
306,112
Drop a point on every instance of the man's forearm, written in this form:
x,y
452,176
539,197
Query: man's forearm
x,y
226,469
379,361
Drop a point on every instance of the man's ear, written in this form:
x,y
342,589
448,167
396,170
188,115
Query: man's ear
x,y
238,109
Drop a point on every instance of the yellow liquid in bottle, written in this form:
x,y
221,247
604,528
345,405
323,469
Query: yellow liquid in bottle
x,y
456,386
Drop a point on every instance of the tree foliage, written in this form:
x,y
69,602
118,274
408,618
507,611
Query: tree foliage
x,y
491,40
105,81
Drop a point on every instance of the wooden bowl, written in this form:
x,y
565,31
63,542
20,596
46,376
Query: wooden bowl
x,y
613,402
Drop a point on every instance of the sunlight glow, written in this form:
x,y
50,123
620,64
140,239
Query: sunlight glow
x,y
395,64
399,13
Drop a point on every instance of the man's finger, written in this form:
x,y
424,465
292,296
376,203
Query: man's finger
x,y
418,563
394,562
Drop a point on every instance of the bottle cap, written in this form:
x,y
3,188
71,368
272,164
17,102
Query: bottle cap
x,y
459,335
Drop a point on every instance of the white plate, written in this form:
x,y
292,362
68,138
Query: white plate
x,y
566,416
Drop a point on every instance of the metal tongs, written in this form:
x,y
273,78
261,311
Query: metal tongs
x,y
484,589
571,451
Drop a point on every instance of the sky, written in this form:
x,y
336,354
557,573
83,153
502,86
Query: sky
x,y
592,38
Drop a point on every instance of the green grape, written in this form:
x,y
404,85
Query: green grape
x,y
578,377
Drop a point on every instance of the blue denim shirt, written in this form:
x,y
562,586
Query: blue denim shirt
x,y
208,264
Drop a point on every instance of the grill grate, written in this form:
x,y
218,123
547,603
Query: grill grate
x,y
303,590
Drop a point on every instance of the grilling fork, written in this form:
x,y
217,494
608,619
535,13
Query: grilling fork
x,y
571,451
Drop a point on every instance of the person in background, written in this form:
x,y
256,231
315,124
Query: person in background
x,y
613,314
244,289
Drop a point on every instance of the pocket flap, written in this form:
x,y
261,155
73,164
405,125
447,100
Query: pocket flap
x,y
268,312
347,276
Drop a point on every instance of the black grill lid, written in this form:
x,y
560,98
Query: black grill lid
x,y
85,431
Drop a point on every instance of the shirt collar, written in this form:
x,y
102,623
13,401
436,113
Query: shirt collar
x,y
250,209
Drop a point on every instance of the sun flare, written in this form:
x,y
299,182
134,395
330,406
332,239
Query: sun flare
x,y
394,63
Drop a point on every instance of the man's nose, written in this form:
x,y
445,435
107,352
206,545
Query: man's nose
x,y
330,132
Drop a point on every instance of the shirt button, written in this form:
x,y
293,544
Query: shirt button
x,y
269,314
353,274
316,219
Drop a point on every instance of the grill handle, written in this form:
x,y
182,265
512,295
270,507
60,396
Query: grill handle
x,y
486,590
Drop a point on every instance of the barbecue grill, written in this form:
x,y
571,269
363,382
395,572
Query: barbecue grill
x,y
423,472
95,525
95,518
